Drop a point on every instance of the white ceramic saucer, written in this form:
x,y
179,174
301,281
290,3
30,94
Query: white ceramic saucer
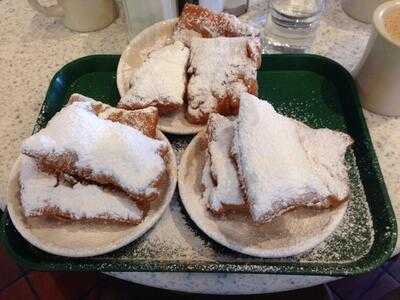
x,y
293,233
78,239
133,56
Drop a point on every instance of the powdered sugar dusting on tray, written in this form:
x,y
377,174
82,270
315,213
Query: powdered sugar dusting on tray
x,y
285,236
108,148
40,191
176,239
344,245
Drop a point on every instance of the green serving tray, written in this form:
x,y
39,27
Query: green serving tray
x,y
310,88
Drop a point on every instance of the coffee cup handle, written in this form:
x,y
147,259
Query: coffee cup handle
x,y
51,11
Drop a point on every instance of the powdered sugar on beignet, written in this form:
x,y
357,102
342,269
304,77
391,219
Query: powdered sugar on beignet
x,y
196,20
220,180
160,81
326,150
145,120
221,69
79,143
43,195
279,165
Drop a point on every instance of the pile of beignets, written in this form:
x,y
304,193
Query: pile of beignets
x,y
212,59
264,163
94,162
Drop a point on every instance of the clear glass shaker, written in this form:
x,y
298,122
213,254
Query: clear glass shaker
x,y
141,14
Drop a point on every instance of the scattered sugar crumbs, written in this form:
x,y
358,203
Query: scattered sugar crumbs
x,y
355,235
176,238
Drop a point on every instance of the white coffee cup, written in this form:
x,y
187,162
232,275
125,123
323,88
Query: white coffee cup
x,y
379,78
80,15
361,10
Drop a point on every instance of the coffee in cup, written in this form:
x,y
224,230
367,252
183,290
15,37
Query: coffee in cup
x,y
392,24
377,79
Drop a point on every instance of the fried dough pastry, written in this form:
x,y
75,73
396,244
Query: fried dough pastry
x,y
46,195
221,69
284,164
220,180
160,81
79,143
197,21
144,120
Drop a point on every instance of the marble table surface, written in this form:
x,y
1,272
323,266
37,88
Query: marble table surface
x,y
33,47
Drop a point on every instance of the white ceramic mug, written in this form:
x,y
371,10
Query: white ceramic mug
x,y
379,78
361,10
80,15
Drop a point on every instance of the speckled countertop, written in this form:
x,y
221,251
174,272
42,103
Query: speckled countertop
x,y
33,47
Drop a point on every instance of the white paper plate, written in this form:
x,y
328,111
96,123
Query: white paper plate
x,y
295,232
133,56
83,239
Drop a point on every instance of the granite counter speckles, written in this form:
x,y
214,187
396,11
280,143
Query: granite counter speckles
x,y
33,47
341,38
224,284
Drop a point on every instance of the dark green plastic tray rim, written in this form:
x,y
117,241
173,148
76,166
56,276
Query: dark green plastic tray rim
x,y
366,263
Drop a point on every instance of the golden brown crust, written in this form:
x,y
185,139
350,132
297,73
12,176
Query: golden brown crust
x,y
226,106
229,209
210,24
228,103
197,120
66,163
164,107
254,50
144,120
57,214
330,202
